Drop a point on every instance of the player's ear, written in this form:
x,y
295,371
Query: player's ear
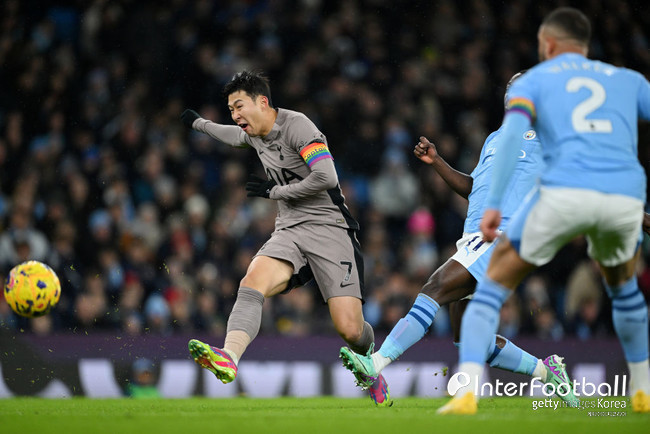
x,y
551,46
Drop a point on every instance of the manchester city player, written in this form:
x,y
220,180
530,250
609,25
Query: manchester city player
x,y
455,281
585,113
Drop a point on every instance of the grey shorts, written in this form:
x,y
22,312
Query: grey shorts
x,y
329,254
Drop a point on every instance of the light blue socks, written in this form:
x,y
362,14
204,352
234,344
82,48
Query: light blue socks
x,y
481,321
630,317
411,328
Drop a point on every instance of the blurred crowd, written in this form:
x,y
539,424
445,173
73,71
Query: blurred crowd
x,y
148,225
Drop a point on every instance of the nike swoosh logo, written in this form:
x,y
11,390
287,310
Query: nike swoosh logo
x,y
343,285
260,152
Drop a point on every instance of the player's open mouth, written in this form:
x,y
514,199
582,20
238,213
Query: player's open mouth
x,y
243,126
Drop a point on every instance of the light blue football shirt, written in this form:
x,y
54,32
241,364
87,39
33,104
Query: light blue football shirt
x,y
527,170
586,114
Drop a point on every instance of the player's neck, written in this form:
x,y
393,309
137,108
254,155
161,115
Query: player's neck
x,y
569,48
269,121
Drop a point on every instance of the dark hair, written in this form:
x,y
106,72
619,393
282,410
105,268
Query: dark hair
x,y
254,83
512,80
570,21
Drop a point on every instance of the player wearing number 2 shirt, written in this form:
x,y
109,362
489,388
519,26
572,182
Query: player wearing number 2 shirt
x,y
453,283
586,114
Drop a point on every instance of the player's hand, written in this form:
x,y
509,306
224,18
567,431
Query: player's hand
x,y
646,223
490,223
259,187
188,117
425,150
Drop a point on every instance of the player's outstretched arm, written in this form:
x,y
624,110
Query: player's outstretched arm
x,y
460,182
229,134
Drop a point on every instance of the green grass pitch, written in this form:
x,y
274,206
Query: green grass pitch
x,y
299,415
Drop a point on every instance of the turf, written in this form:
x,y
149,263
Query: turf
x,y
298,415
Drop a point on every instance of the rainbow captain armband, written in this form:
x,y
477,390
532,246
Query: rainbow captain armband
x,y
523,106
315,151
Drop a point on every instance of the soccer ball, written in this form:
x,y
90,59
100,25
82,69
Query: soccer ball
x,y
32,289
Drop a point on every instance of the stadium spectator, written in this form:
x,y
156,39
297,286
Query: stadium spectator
x,y
92,103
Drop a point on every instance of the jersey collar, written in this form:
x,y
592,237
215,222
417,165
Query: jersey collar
x,y
275,130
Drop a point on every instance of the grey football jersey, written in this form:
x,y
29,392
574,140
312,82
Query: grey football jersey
x,y
295,155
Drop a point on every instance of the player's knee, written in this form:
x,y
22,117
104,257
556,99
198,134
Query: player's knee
x,y
265,286
255,284
349,330
249,282
432,288
437,291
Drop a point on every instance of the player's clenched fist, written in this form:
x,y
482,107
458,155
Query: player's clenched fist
x,y
188,117
425,150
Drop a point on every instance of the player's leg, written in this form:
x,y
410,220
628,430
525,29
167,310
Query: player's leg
x,y
269,273
454,280
531,228
264,278
336,261
509,357
547,220
481,320
335,258
503,353
347,316
450,282
615,245
630,318
456,311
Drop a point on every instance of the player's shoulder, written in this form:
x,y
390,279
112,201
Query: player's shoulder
x,y
612,70
631,74
298,128
527,81
291,117
493,135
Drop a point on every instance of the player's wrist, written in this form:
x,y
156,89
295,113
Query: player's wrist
x,y
437,162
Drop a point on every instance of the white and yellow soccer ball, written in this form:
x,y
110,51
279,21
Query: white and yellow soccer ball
x,y
32,289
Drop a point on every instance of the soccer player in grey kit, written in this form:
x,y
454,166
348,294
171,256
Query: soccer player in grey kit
x,y
315,235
